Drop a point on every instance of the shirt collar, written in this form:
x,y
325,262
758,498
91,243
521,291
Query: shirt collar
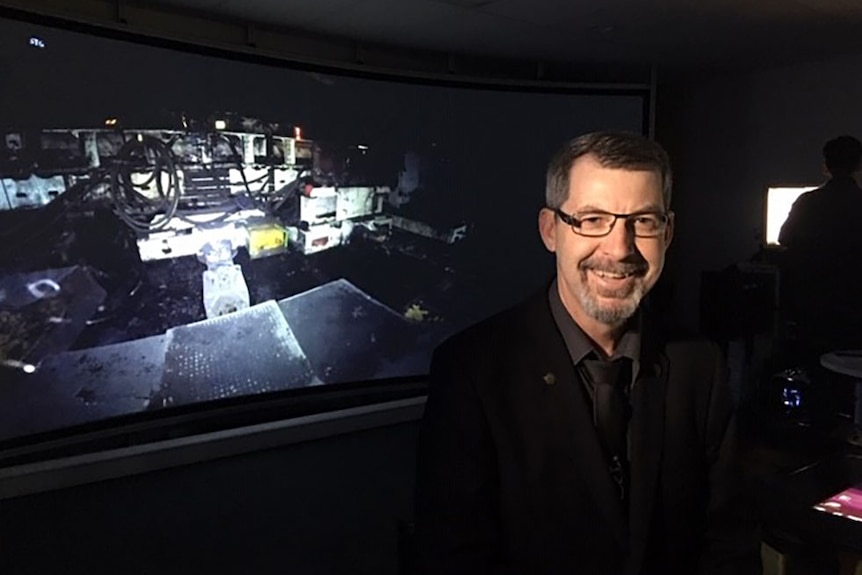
x,y
579,344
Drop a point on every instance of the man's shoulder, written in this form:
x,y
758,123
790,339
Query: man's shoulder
x,y
681,343
810,198
496,331
688,338
693,347
829,194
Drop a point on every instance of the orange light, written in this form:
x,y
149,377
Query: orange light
x,y
297,132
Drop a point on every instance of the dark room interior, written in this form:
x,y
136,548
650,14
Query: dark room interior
x,y
246,225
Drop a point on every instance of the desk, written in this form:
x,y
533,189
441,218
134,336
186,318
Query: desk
x,y
832,544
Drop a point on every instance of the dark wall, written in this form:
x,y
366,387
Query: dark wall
x,y
328,507
730,137
332,506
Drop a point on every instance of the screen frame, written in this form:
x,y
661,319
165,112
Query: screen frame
x,y
248,53
79,469
137,430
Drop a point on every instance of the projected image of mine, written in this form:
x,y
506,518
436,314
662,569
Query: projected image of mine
x,y
182,227
222,257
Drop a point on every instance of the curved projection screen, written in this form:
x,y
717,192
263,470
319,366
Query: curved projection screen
x,y
178,228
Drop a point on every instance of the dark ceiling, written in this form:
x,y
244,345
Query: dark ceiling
x,y
670,33
674,35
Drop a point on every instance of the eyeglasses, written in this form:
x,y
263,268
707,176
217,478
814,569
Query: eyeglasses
x,y
598,224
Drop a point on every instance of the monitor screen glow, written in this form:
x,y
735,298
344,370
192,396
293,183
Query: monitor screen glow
x,y
847,504
779,200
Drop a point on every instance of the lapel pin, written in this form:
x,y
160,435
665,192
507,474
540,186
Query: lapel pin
x,y
550,378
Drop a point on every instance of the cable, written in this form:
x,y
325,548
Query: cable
x,y
219,218
239,166
258,197
137,210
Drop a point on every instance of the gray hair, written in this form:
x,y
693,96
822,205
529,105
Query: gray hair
x,y
618,150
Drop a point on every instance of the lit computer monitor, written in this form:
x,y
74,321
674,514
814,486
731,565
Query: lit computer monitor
x,y
847,504
779,200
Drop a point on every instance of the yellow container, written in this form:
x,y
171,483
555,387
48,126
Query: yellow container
x,y
266,239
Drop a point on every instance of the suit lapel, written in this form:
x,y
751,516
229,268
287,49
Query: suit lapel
x,y
647,438
565,405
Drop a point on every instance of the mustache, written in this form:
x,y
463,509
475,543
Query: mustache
x,y
638,268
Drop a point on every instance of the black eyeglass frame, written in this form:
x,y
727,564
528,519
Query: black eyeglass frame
x,y
575,223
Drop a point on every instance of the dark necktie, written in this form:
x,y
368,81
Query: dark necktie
x,y
610,379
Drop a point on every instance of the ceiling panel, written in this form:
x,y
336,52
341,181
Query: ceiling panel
x,y
572,16
193,4
481,32
290,14
386,20
836,8
664,31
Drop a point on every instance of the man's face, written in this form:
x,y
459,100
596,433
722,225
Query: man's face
x,y
603,279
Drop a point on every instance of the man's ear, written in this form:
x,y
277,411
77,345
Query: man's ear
x,y
548,228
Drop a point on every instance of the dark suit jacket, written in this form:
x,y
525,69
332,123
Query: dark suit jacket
x,y
511,477
820,278
823,223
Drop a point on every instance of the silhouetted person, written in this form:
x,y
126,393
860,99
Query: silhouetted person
x,y
823,237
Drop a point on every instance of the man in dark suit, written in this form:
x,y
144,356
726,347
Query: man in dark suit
x,y
823,243
570,434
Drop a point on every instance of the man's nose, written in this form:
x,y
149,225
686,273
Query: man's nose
x,y
620,243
